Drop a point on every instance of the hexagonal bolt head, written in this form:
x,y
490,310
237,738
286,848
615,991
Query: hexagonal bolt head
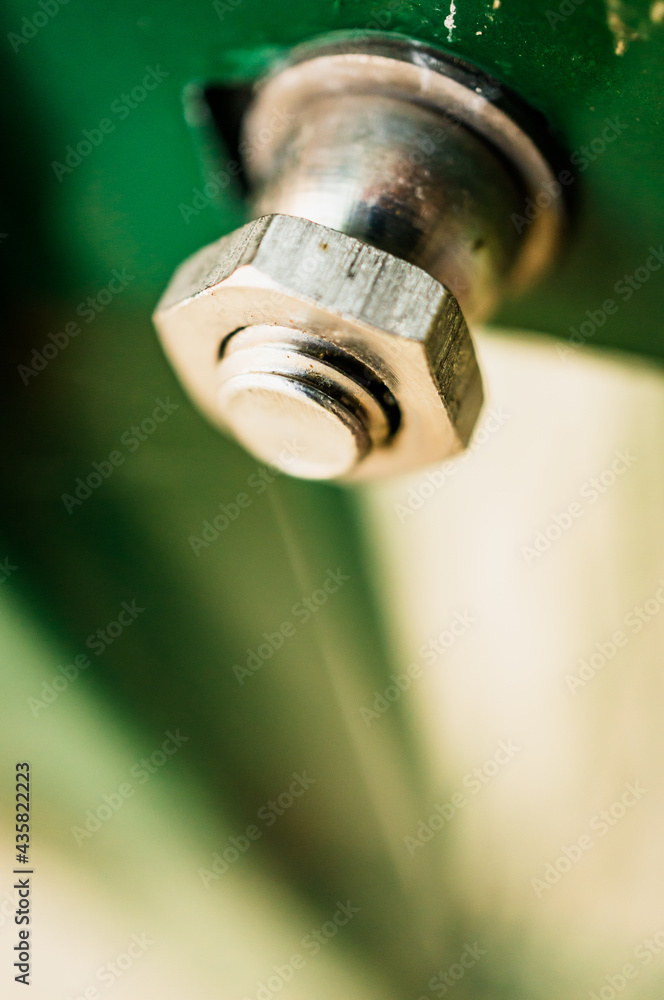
x,y
322,355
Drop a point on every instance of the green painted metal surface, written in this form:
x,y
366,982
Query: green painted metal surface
x,y
107,224
121,205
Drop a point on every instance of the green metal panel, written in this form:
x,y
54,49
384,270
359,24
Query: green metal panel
x,y
120,206
69,230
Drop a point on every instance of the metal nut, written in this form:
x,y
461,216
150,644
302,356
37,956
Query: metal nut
x,y
326,357
327,336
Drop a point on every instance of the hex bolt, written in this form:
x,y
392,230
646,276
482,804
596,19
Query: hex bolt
x,y
328,336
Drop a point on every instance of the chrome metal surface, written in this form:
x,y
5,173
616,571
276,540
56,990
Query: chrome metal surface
x,y
328,336
390,142
288,399
323,355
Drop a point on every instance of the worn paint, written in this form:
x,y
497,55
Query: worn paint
x,y
449,21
